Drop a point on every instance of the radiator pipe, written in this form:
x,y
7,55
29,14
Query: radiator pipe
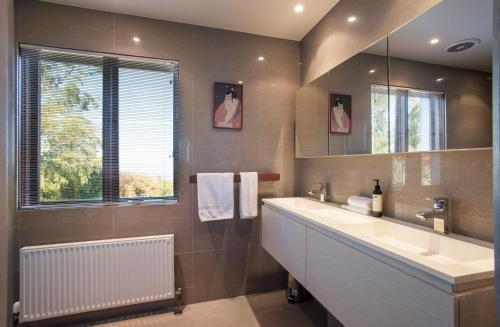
x,y
178,300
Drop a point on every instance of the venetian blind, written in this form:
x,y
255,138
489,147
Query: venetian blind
x,y
96,128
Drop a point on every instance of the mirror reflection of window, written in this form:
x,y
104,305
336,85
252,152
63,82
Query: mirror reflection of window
x,y
415,120
430,169
380,119
398,172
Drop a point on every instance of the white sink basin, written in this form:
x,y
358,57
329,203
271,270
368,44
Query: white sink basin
x,y
340,216
322,212
438,248
300,203
455,258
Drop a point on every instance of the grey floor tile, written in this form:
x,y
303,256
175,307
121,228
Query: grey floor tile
x,y
256,310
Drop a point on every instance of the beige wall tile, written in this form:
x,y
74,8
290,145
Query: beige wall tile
x,y
410,182
184,270
52,234
231,265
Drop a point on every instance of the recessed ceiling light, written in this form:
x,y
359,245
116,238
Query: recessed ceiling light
x,y
434,41
240,82
298,8
352,19
440,79
136,39
260,58
372,71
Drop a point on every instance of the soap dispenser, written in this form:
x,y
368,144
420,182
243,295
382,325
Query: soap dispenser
x,y
377,200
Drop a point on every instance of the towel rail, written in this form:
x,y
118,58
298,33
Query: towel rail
x,y
263,177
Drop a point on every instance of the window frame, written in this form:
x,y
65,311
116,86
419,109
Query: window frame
x,y
402,118
401,123
28,171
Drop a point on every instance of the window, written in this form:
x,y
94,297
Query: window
x,y
407,120
96,128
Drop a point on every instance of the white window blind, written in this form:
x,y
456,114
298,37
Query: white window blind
x,y
96,128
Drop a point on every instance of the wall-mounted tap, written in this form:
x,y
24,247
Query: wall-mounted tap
x,y
440,214
323,192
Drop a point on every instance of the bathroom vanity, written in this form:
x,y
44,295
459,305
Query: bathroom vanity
x,y
380,272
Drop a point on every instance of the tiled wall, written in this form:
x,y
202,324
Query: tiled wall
x,y
333,40
7,168
410,182
212,260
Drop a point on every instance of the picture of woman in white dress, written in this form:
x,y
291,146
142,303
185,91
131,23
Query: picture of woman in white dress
x,y
340,113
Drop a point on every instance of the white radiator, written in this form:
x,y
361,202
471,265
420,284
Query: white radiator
x,y
71,278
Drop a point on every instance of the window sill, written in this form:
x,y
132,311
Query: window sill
x,y
100,205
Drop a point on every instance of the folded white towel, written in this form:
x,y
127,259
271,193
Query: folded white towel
x,y
248,195
360,201
352,208
215,196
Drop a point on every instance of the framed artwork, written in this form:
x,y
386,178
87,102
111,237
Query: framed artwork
x,y
340,113
228,105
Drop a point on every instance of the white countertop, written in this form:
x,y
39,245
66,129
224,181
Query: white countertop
x,y
451,258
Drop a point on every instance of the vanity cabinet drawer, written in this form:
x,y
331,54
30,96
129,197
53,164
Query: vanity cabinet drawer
x,y
362,291
285,240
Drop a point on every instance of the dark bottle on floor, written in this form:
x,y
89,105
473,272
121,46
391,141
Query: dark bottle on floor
x,y
295,292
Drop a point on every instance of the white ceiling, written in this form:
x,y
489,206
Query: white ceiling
x,y
275,18
450,21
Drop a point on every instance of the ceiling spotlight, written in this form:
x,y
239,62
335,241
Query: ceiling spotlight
x,y
439,79
434,41
260,58
372,71
240,82
352,19
136,39
298,8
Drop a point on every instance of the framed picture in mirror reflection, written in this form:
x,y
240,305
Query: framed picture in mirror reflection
x,y
228,106
340,113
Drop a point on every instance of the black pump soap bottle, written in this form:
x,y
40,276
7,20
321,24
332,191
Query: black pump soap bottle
x,y
377,200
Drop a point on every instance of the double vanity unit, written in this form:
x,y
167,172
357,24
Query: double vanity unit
x,y
378,271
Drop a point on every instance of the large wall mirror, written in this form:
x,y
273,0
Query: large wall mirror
x,y
425,87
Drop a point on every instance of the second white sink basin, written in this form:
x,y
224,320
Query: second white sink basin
x,y
438,248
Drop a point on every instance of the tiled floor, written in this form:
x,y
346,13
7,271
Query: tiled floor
x,y
256,310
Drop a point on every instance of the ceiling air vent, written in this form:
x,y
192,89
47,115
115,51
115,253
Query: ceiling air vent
x,y
462,45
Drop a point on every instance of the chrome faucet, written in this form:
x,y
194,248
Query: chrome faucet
x,y
323,192
440,214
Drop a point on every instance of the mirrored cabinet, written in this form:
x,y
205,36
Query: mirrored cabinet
x,y
425,87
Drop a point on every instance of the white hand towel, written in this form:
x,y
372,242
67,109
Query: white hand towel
x,y
215,196
360,201
249,189
356,209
